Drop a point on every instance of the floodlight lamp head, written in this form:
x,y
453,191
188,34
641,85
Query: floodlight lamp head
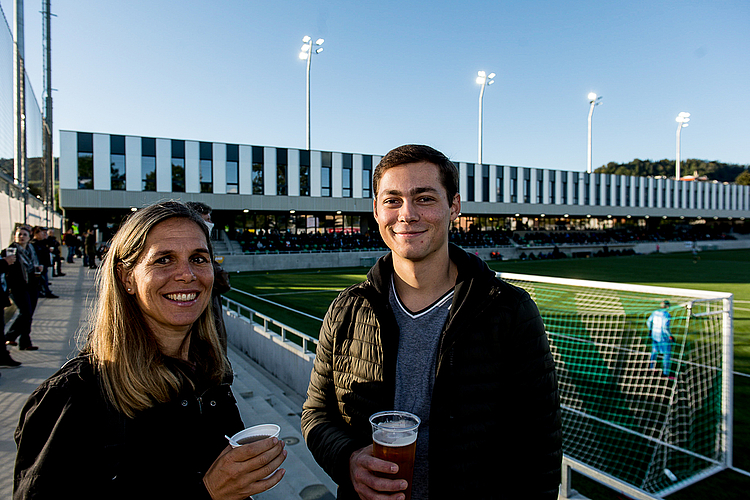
x,y
306,39
305,48
480,80
320,49
481,74
491,75
490,82
303,55
319,41
592,96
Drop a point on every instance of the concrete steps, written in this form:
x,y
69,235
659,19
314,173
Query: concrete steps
x,y
263,399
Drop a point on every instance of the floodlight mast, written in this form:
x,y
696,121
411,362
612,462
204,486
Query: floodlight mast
x,y
682,121
306,52
483,79
594,100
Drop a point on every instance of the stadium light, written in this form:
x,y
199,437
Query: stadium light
x,y
484,80
682,121
594,100
306,52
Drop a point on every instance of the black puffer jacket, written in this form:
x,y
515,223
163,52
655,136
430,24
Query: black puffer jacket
x,y
73,444
495,414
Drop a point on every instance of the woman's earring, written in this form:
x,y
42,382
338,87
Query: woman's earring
x,y
128,290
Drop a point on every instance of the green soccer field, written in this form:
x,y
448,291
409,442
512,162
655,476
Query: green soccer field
x,y
311,291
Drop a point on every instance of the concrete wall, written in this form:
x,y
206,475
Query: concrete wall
x,y
284,359
275,262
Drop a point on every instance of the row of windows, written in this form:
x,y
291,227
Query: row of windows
x,y
673,194
206,168
575,189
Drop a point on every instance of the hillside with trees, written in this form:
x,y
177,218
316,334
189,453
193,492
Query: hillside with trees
x,y
714,170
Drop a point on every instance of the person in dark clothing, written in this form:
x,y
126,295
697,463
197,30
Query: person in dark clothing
x,y
90,249
23,282
71,241
142,411
56,256
41,247
434,332
6,262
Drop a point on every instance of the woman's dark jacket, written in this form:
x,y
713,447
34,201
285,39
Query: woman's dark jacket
x,y
72,443
495,414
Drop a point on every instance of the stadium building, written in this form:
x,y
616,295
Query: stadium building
x,y
256,190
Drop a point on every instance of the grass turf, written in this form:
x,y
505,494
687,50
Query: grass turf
x,y
311,291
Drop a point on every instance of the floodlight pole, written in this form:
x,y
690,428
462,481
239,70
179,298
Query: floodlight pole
x,y
306,53
594,100
483,79
682,121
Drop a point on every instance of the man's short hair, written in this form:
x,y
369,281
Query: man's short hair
x,y
199,207
38,229
665,303
417,153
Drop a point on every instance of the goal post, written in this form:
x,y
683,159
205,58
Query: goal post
x,y
639,415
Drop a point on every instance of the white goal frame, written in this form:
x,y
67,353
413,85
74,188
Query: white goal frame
x,y
725,429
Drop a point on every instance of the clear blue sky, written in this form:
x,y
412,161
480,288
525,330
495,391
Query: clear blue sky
x,y
396,72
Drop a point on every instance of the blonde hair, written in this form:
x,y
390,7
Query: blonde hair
x,y
134,373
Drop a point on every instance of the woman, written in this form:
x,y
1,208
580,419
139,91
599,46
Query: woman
x,y
23,282
7,259
142,411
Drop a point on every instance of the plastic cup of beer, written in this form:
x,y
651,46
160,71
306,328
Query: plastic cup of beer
x,y
394,438
10,251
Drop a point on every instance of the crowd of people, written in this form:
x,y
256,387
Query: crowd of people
x,y
24,275
273,241
25,269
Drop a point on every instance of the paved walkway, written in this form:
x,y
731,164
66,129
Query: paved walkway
x,y
261,398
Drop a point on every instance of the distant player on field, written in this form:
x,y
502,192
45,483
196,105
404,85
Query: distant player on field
x,y
659,324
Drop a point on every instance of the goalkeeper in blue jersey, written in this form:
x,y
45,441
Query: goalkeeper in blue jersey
x,y
659,324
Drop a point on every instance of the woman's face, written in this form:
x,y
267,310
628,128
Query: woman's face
x,y
22,237
172,279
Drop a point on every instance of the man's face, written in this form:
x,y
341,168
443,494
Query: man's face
x,y
413,211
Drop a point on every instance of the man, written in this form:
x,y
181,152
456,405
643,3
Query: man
x,y
90,249
432,331
70,241
41,247
659,324
221,277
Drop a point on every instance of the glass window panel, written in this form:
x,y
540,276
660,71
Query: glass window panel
x,y
148,173
117,144
304,180
85,170
117,172
281,187
206,176
367,176
178,175
325,181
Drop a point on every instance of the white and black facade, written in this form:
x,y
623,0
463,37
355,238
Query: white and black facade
x,y
106,173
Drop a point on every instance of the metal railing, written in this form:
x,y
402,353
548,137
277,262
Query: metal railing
x,y
271,325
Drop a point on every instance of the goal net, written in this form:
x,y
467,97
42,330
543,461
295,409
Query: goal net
x,y
653,418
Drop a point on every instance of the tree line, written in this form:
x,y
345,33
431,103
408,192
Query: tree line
x,y
713,170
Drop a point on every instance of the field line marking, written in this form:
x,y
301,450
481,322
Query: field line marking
x,y
277,304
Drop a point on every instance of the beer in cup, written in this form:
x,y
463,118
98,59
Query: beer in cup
x,y
394,438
